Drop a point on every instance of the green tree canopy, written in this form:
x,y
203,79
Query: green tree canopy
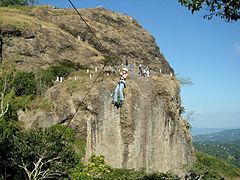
x,y
17,2
225,9
44,153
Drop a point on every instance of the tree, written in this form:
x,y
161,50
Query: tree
x,y
44,153
17,2
8,130
185,81
12,2
6,76
1,47
225,9
3,107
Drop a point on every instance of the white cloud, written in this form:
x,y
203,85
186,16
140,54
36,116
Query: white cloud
x,y
237,48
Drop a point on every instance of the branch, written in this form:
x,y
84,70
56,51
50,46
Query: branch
x,y
37,167
29,174
3,112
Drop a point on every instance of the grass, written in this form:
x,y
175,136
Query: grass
x,y
41,103
18,8
16,20
82,81
23,9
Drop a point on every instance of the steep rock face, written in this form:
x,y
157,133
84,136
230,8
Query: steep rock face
x,y
147,132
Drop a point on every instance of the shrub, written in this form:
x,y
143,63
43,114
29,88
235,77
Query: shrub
x,y
69,64
47,76
127,174
112,60
96,168
24,84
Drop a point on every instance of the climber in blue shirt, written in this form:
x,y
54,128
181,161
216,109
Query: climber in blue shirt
x,y
119,88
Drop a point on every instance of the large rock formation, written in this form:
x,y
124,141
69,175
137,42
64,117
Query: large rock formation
x,y
148,131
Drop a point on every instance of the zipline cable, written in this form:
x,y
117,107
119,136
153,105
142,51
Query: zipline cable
x,y
85,22
95,80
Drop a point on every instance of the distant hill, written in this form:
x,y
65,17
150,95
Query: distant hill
x,y
224,136
224,145
203,131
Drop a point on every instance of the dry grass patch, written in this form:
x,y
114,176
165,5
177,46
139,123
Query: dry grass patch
x,y
16,20
41,103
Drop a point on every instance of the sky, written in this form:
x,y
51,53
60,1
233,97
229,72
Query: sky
x,y
207,51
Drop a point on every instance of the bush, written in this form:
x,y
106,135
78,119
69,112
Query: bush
x,y
126,174
69,64
24,84
49,75
95,169
112,60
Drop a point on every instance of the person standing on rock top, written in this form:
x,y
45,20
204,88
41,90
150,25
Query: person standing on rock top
x,y
119,88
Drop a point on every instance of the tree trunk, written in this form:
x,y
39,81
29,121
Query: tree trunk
x,y
1,45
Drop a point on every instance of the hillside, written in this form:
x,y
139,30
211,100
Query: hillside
x,y
224,136
211,167
43,43
43,36
224,145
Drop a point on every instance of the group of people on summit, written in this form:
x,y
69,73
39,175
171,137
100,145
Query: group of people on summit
x,y
145,72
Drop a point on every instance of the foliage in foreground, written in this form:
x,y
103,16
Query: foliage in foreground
x,y
122,174
225,9
98,169
36,154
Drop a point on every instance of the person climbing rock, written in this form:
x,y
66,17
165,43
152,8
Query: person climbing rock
x,y
147,71
119,88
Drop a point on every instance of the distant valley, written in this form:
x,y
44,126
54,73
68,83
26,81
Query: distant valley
x,y
224,145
